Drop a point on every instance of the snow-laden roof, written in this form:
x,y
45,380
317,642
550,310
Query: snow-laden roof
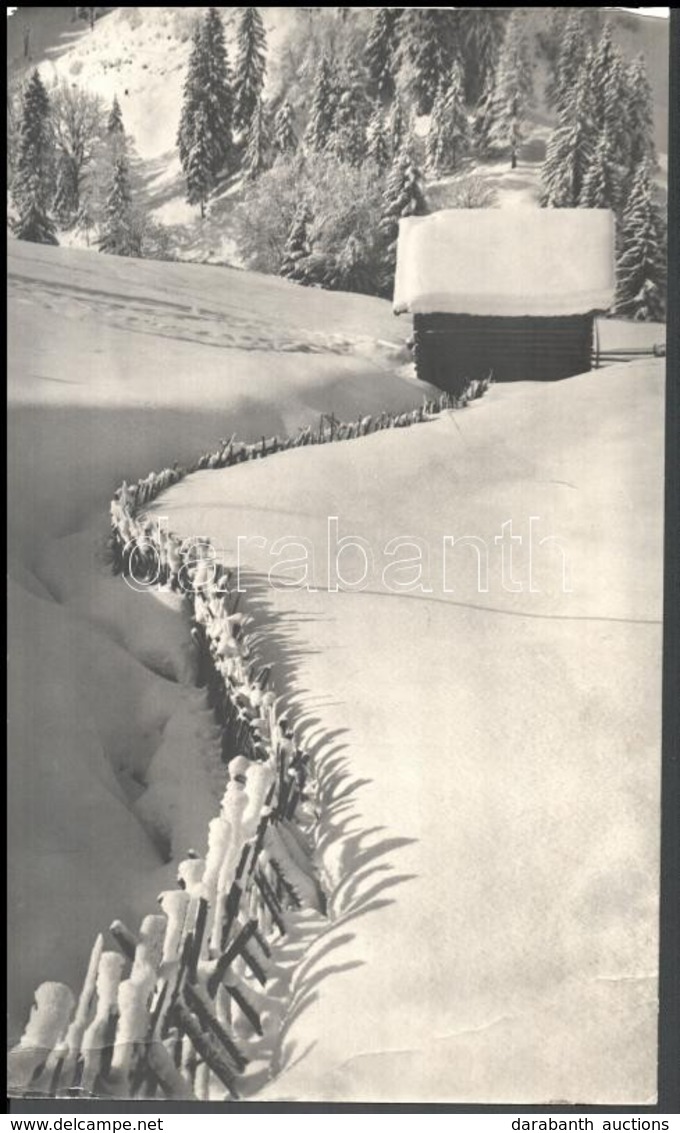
x,y
502,262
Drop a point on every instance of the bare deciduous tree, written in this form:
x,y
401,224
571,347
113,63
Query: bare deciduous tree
x,y
78,121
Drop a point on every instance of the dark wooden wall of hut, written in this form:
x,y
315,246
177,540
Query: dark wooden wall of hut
x,y
451,349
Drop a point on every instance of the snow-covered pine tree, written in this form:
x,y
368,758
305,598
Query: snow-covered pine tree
x,y
350,270
348,138
481,132
251,66
298,246
205,129
199,159
114,124
377,141
602,62
481,32
514,90
258,153
31,188
574,44
380,51
615,116
194,84
324,104
403,196
14,102
449,133
429,46
217,91
570,149
285,136
119,236
601,187
640,115
641,265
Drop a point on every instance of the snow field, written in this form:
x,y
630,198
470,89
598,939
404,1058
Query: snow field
x,y
488,762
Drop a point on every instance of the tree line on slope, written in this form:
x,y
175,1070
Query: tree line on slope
x,y
602,155
323,197
331,161
72,166
358,159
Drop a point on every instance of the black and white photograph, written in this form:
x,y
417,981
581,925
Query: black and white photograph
x,y
336,433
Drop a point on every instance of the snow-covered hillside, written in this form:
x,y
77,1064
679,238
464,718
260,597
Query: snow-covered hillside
x,y
140,55
105,358
488,749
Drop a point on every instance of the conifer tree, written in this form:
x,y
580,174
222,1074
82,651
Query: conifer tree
x,y
114,124
380,51
574,44
350,271
348,139
251,66
481,31
615,113
285,137
217,90
570,150
429,46
194,84
641,266
120,236
298,245
486,111
448,137
601,187
14,103
514,86
257,156
403,196
31,189
324,105
377,141
601,63
205,129
198,164
640,116
608,78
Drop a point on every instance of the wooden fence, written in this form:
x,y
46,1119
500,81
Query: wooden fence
x,y
177,1009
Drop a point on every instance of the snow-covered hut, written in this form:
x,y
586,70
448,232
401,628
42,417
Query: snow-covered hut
x,y
513,292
